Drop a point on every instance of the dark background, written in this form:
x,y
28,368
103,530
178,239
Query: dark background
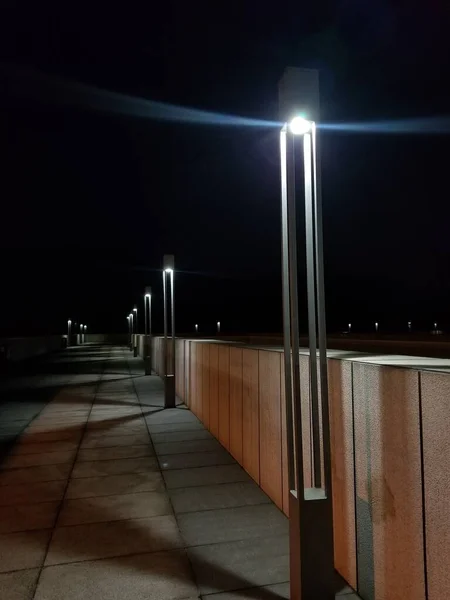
x,y
90,201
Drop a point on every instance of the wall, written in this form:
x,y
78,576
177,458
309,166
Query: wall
x,y
17,349
390,455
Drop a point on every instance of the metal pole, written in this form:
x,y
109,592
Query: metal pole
x,y
69,327
169,369
172,300
147,338
310,503
286,308
165,324
312,302
135,349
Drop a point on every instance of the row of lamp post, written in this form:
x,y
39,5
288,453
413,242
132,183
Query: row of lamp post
x,y
168,272
81,334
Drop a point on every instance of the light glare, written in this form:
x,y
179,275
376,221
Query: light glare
x,y
300,126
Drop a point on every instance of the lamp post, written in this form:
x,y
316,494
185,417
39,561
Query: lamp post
x,y
310,502
218,327
69,331
349,327
84,334
169,357
376,326
131,330
135,348
148,330
409,326
196,328
81,333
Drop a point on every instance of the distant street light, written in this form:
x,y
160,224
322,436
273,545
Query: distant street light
x,y
129,330
132,330
135,347
218,327
84,334
409,326
148,330
376,327
169,359
349,327
69,331
196,328
81,333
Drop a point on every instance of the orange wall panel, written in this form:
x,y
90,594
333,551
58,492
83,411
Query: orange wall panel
x,y
250,413
270,425
236,403
194,378
224,396
342,468
214,389
388,400
284,448
436,458
205,385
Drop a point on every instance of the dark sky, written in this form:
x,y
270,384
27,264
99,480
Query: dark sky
x,y
91,200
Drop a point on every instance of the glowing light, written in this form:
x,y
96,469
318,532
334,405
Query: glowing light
x,y
148,295
135,309
300,126
168,270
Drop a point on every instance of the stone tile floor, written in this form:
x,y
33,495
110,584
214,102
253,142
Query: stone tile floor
x,y
105,496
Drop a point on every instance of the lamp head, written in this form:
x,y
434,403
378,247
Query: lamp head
x,y
300,126
168,270
135,309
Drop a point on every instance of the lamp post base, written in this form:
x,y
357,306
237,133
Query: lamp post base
x,y
169,391
312,573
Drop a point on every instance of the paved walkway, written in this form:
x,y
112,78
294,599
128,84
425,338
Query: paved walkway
x,y
105,496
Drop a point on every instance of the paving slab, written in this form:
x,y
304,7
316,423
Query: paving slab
x,y
117,452
187,446
198,476
23,550
27,517
114,467
121,538
34,460
114,508
128,483
210,497
230,524
241,564
195,459
155,576
31,493
19,585
34,474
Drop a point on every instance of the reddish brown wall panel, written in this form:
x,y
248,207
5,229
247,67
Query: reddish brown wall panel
x,y
224,396
284,449
387,400
236,403
250,413
214,389
205,385
342,468
436,455
270,425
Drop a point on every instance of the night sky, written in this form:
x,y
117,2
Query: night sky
x,y
91,200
